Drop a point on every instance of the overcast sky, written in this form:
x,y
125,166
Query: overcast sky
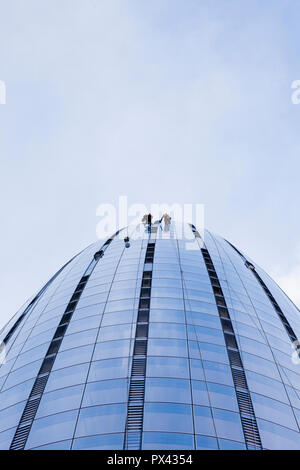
x,y
162,101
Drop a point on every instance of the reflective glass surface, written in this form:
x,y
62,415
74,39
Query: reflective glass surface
x,y
189,400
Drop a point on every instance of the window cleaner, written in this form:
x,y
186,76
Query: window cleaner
x,y
147,220
98,254
127,243
167,220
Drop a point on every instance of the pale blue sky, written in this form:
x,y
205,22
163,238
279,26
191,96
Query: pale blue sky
x,y
162,101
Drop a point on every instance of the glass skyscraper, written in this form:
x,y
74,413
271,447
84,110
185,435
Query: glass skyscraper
x,y
171,343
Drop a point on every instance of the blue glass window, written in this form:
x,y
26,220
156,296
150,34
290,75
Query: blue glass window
x,y
6,438
84,312
209,335
165,440
61,445
15,394
274,436
266,386
79,339
22,374
167,330
197,371
213,352
103,441
105,392
206,443
255,347
167,389
231,445
261,366
66,377
51,429
219,373
202,307
228,425
118,318
31,355
60,400
109,349
222,396
73,356
167,367
108,333
203,319
273,410
118,305
203,421
200,394
160,302
109,369
167,347
101,419
10,416
76,326
167,315
167,417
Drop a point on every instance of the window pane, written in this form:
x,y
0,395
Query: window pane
x,y
219,373
169,390
109,349
109,369
73,356
6,438
61,445
9,417
101,419
103,441
203,421
273,410
60,400
79,339
266,386
274,436
167,347
167,367
67,376
200,394
52,428
167,417
105,392
165,440
206,443
228,425
231,445
167,330
222,396
108,333
172,316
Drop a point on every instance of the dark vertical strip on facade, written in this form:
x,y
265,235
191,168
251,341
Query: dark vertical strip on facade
x,y
135,407
275,305
278,310
31,407
249,424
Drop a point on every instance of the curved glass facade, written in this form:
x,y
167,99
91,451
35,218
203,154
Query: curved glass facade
x,y
155,346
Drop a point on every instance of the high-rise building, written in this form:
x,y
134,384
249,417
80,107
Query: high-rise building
x,y
167,344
